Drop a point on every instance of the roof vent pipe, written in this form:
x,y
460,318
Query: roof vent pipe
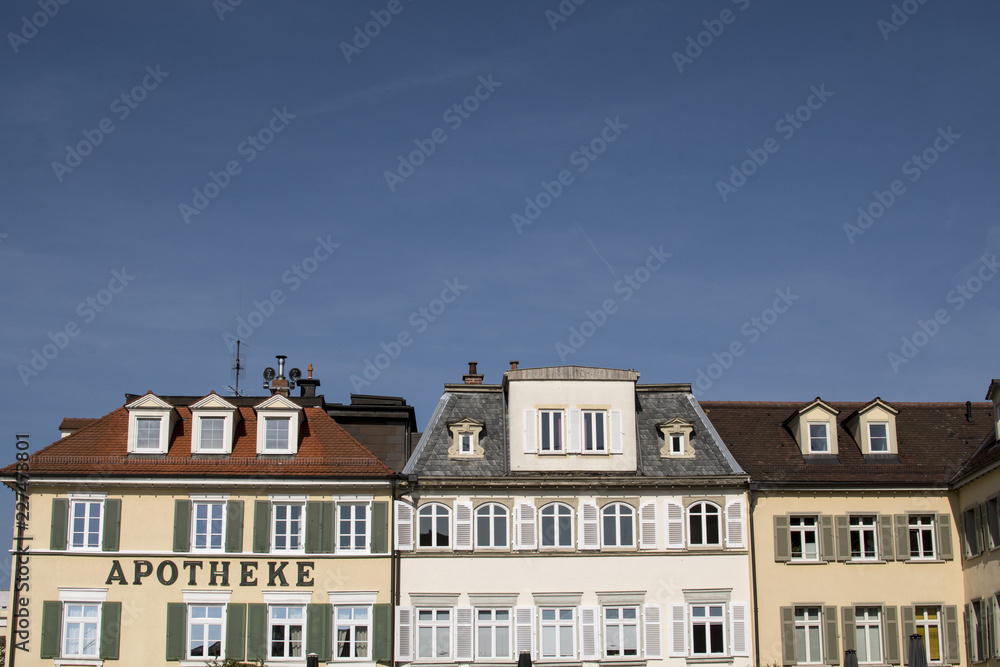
x,y
968,411
281,366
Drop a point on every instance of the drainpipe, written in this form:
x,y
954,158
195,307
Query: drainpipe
x,y
394,572
751,501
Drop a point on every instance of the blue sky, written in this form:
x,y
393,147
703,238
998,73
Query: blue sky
x,y
629,125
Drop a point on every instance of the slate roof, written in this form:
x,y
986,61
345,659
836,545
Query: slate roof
x,y
934,441
431,454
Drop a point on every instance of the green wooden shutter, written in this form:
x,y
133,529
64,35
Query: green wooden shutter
x,y
782,546
847,618
843,538
787,635
176,626
261,526
328,530
182,525
828,540
256,631
51,624
380,528
830,626
111,627
236,630
909,628
902,537
945,551
887,540
234,526
320,521
112,524
951,633
319,631
382,632
891,636
60,519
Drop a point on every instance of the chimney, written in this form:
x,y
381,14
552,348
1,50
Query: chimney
x,y
513,365
307,385
968,411
279,385
472,377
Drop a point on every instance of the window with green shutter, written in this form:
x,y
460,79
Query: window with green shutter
x,y
111,621
182,526
261,526
236,630
319,631
60,521
256,631
112,524
380,528
176,630
51,628
382,633
234,526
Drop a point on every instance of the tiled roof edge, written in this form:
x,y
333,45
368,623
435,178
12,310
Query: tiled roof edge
x,y
730,459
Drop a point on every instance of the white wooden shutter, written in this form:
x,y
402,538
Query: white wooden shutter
x,y
404,634
524,630
734,524
527,527
574,433
654,632
647,526
463,526
616,431
530,432
590,642
739,628
675,525
404,526
678,630
463,634
590,534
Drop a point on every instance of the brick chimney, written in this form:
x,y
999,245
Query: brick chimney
x,y
279,385
307,385
472,377
513,365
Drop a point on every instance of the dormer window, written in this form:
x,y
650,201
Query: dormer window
x,y
878,437
214,420
676,444
212,430
676,438
814,428
819,438
147,434
465,443
874,428
466,439
595,431
551,430
278,421
150,423
276,434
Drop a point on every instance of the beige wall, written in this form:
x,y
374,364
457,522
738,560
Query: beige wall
x,y
982,572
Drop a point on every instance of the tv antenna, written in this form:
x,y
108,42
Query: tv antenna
x,y
238,366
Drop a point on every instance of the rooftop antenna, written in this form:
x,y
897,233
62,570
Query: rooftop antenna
x,y
239,363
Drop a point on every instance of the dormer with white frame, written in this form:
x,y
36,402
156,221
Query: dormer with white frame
x,y
466,439
874,428
278,421
214,421
676,439
150,423
815,428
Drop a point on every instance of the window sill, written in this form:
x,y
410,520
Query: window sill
x,y
803,561
704,660
90,662
865,561
926,560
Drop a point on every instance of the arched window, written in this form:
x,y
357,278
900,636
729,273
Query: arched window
x,y
704,521
557,525
434,525
618,521
491,525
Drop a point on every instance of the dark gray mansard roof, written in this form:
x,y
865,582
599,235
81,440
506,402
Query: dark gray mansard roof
x,y
430,458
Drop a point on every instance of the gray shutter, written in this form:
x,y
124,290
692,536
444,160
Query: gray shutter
x,y
51,628
112,525
788,635
236,630
256,631
943,524
380,529
886,551
382,633
902,537
909,628
111,625
319,630
234,526
176,622
891,636
843,538
60,519
847,619
782,546
830,626
827,541
182,526
951,633
969,655
261,526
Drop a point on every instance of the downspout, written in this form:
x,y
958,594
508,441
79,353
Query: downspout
x,y
751,501
394,572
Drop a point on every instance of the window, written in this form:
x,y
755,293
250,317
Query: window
x,y
208,526
276,434
922,537
493,634
618,525
928,624
594,432
85,529
352,522
703,524
552,430
802,530
465,443
558,627
868,634
80,630
433,633
878,437
212,433
993,522
819,439
807,635
491,526
353,629
677,443
287,522
205,624
433,523
557,525
977,641
621,632
147,434
971,533
285,623
863,530
708,634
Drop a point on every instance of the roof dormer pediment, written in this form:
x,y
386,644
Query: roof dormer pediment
x,y
149,401
816,404
213,402
276,402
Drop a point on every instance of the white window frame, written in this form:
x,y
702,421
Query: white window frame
x,y
275,420
556,436
147,427
588,420
922,626
811,620
556,624
190,624
213,406
81,622
813,438
708,622
438,511
860,529
556,534
87,500
704,515
492,624
352,625
287,533
351,524
287,624
466,444
621,513
203,420
202,502
872,437
621,624
678,443
870,628
802,530
435,625
924,527
495,512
